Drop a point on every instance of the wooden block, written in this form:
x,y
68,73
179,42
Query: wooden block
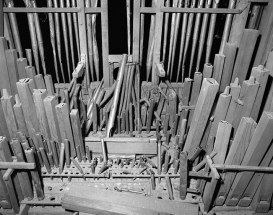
x,y
261,76
78,72
7,102
259,144
98,201
50,103
39,96
19,115
39,81
253,185
30,70
218,66
201,114
77,133
244,56
207,72
236,154
11,57
246,100
21,65
25,95
4,73
49,85
65,126
230,51
124,147
220,110
222,142
160,72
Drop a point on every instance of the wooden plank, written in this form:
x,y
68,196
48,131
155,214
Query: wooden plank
x,y
246,100
11,57
239,22
30,70
218,66
105,44
21,65
7,101
236,154
136,31
49,85
245,52
50,102
39,81
65,126
19,115
124,147
222,142
4,80
77,133
261,76
201,114
230,51
157,40
258,145
39,96
111,202
235,90
25,95
253,185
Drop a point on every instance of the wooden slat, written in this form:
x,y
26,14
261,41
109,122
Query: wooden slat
x,y
50,103
7,102
25,94
245,52
87,199
259,144
11,57
4,80
236,154
39,96
65,126
261,76
21,65
230,51
201,114
136,31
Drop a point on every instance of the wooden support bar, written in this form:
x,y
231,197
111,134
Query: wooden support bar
x,y
261,75
19,115
258,145
7,102
201,114
244,56
17,165
235,155
21,65
25,93
65,126
4,72
11,57
77,133
230,51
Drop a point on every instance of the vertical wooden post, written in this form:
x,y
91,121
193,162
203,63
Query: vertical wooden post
x,y
1,18
157,38
105,44
136,31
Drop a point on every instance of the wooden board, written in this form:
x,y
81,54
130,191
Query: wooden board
x,y
258,145
50,103
124,147
261,76
230,51
21,65
87,199
11,57
235,155
4,80
246,49
201,114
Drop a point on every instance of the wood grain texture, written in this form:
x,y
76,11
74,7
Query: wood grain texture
x,y
201,114
261,139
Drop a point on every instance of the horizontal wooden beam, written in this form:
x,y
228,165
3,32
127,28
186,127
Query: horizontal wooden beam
x,y
17,165
190,10
242,168
117,58
50,10
120,139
